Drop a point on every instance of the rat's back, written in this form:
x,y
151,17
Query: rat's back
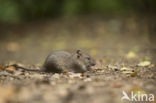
x,y
60,61
56,61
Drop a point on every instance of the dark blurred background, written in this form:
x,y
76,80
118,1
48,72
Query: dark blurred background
x,y
28,10
21,10
29,29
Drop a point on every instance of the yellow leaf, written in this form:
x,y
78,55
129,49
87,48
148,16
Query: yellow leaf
x,y
131,55
127,72
125,69
144,63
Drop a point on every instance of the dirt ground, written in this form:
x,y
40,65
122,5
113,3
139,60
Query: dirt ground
x,y
124,55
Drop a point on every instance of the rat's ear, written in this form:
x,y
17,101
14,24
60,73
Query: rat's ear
x,y
78,51
79,54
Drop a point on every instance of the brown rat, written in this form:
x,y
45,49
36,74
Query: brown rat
x,y
60,61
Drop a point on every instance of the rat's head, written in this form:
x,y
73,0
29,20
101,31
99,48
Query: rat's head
x,y
85,59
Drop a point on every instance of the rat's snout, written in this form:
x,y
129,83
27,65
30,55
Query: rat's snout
x,y
93,64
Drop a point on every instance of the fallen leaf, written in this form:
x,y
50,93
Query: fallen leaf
x,y
37,76
75,75
10,68
125,69
131,55
144,63
151,66
127,72
2,67
113,67
134,74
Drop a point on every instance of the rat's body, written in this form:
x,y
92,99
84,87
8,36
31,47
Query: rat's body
x,y
60,61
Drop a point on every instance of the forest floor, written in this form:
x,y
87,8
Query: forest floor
x,y
125,61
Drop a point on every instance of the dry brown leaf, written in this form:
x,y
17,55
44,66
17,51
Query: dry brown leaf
x,y
134,74
2,67
10,68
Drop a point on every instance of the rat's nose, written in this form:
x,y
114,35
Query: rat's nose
x,y
93,64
